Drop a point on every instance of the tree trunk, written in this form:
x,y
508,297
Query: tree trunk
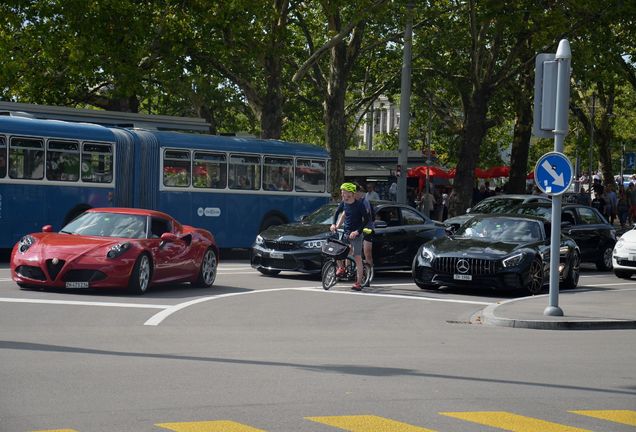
x,y
272,110
476,109
336,133
521,136
603,135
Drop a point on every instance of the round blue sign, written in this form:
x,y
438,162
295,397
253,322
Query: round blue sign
x,y
553,173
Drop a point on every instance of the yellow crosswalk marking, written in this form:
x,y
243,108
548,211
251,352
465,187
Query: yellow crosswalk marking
x,y
56,430
627,417
367,423
208,426
511,422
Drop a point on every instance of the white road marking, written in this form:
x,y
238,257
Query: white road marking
x,y
168,310
160,316
83,303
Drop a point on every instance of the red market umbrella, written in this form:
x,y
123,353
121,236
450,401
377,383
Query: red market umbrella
x,y
498,171
433,171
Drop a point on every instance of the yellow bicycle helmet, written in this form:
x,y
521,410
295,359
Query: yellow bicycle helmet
x,y
349,187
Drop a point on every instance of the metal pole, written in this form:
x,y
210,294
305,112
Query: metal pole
x,y
405,103
427,188
620,183
563,56
592,109
370,127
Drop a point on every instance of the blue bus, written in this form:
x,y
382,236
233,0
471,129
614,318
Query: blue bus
x,y
51,171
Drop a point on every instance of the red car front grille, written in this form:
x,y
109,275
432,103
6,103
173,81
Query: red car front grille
x,y
54,268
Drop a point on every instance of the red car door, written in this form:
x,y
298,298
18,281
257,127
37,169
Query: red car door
x,y
172,260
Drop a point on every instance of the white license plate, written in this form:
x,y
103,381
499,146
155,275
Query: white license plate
x,y
76,284
462,277
276,255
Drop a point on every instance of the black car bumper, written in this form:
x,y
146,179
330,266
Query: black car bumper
x,y
505,280
299,260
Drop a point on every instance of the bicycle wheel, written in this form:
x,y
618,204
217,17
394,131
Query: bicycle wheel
x,y
367,274
328,275
367,271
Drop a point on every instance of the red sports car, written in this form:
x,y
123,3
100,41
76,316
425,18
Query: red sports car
x,y
115,248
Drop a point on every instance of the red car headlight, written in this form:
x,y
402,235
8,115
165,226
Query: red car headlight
x,y
117,250
25,243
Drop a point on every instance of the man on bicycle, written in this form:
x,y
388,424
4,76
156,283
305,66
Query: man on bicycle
x,y
367,245
355,219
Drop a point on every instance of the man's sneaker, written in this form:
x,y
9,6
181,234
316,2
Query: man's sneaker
x,y
356,287
340,272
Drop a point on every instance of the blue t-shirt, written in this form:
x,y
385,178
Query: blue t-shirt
x,y
354,215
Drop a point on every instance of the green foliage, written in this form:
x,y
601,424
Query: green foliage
x,y
233,60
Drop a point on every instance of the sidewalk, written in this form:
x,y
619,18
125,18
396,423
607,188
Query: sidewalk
x,y
583,309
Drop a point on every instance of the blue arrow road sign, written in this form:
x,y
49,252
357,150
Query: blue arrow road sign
x,y
553,173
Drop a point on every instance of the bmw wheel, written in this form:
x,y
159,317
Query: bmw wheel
x,y
140,277
605,261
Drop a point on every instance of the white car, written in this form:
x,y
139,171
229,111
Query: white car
x,y
624,255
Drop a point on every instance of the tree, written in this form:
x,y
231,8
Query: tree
x,y
345,27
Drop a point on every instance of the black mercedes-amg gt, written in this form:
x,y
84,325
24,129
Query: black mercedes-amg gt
x,y
504,252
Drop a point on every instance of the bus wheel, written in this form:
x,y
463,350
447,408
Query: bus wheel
x,y
271,221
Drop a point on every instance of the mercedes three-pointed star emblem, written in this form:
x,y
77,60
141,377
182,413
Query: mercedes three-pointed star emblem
x,y
462,266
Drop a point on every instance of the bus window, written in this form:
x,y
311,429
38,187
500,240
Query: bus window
x,y
277,174
97,163
176,168
62,161
245,172
311,175
210,170
26,158
3,157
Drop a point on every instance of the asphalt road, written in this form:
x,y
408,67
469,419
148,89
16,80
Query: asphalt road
x,y
280,354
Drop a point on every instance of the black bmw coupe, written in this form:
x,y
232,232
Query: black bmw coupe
x,y
400,231
504,252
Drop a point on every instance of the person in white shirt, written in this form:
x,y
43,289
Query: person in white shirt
x,y
371,194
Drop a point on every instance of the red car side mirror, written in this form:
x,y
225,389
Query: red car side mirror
x,y
169,237
47,228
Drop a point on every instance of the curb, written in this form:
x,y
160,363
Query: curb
x,y
489,317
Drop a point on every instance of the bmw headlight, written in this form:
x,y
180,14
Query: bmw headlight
x,y
426,255
259,240
25,243
513,261
314,244
118,249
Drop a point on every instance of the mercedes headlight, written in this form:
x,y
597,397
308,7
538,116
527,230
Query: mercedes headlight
x,y
314,244
513,260
118,249
259,240
427,255
25,243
